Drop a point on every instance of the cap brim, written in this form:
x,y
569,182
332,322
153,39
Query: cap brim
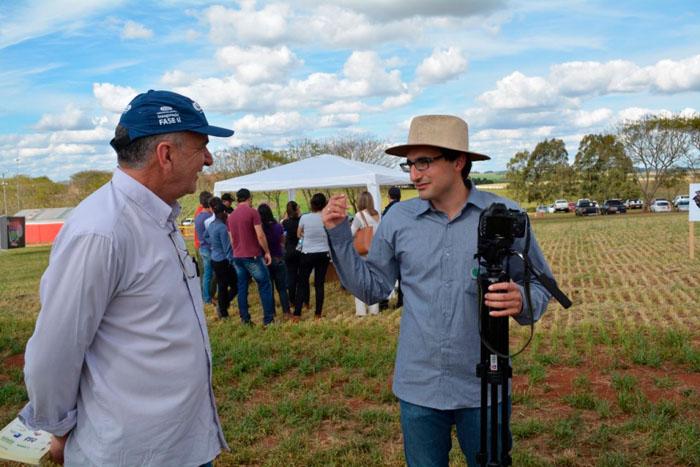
x,y
403,149
213,131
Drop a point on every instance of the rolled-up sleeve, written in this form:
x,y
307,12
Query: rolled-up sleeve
x,y
538,293
75,291
371,280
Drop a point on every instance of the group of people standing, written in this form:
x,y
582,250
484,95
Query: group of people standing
x,y
235,245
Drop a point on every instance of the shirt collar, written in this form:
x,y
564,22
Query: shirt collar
x,y
476,198
149,202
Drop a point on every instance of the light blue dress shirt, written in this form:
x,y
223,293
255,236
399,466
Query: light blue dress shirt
x,y
120,354
439,344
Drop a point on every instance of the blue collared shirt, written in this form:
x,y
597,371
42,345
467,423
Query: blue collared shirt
x,y
120,354
200,227
219,242
439,344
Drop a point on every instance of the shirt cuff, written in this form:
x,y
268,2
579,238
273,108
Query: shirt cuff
x,y
58,428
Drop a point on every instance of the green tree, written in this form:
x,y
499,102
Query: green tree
x,y
84,183
603,170
540,175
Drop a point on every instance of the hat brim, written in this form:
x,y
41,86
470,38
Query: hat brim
x,y
403,149
213,131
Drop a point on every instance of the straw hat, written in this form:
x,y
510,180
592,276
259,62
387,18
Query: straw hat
x,y
440,131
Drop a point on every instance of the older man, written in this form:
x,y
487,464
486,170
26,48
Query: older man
x,y
119,366
430,241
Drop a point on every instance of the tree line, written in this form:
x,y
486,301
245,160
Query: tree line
x,y
634,161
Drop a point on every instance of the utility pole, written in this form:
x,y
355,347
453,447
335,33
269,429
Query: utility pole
x,y
18,160
4,193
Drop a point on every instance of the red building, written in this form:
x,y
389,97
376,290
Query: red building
x,y
42,225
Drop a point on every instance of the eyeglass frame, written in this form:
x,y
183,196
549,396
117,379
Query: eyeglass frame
x,y
186,255
423,162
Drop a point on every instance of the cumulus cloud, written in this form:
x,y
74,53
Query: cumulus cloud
x,y
134,30
267,26
441,66
289,123
72,117
112,97
258,64
517,91
176,78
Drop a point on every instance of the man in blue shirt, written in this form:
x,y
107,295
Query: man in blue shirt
x,y
430,241
204,250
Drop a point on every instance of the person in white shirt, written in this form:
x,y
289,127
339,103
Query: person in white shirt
x,y
366,217
118,369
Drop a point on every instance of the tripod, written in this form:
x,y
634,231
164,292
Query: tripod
x,y
495,372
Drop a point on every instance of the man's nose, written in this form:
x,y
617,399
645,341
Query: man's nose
x,y
208,158
415,174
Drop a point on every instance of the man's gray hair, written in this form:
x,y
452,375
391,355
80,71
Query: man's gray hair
x,y
135,154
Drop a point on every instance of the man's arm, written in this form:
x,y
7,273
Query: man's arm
x,y
75,291
262,241
371,280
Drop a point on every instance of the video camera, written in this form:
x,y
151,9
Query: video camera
x,y
498,229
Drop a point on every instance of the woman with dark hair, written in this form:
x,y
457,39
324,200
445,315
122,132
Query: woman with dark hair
x,y
277,269
222,258
292,254
314,255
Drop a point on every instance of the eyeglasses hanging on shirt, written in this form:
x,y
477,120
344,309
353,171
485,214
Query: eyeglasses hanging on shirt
x,y
189,266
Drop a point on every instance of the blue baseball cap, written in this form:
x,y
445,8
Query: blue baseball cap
x,y
159,112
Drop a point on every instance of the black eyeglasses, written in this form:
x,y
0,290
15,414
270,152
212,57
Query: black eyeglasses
x,y
187,264
422,163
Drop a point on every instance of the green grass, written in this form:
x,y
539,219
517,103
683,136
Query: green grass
x,y
608,382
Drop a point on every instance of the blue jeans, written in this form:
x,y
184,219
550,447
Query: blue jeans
x,y
427,434
255,268
278,275
207,274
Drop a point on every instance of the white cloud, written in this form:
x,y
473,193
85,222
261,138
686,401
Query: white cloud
x,y
441,66
176,78
337,120
258,64
517,91
134,30
112,97
71,118
672,76
276,124
267,26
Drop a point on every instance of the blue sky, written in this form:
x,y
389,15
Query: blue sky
x,y
517,71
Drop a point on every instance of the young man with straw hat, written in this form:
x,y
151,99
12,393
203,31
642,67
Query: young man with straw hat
x,y
430,241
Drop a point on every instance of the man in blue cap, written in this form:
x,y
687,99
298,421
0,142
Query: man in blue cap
x,y
119,366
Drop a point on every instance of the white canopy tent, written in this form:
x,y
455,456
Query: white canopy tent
x,y
324,171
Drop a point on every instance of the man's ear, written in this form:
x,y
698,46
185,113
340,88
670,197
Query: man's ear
x,y
164,153
460,162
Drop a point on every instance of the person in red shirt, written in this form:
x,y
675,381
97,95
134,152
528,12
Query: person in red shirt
x,y
251,256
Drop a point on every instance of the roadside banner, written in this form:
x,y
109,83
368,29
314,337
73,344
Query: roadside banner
x,y
693,216
694,211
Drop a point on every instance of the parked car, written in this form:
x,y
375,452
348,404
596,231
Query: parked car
x,y
187,221
585,207
680,198
561,205
660,205
683,205
542,209
634,204
613,206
